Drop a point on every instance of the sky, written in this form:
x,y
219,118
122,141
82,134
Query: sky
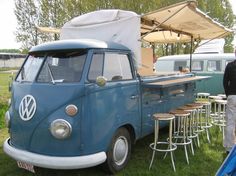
x,y
233,3
8,24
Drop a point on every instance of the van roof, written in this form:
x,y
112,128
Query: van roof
x,y
208,56
76,44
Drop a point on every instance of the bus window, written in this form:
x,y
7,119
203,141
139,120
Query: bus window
x,y
213,66
180,64
197,66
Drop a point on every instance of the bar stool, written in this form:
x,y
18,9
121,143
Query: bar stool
x,y
156,145
181,130
192,134
203,96
206,124
219,120
212,99
197,119
223,96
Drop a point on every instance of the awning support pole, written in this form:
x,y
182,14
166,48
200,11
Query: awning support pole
x,y
191,51
219,36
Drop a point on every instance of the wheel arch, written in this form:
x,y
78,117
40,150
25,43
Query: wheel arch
x,y
131,131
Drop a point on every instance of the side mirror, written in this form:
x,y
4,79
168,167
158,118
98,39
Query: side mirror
x,y
10,82
101,81
9,87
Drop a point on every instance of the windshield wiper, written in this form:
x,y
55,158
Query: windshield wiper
x,y
22,74
51,76
50,73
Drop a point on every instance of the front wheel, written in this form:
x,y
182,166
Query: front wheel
x,y
119,151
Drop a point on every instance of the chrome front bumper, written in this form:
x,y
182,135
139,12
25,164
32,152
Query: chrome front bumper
x,y
53,162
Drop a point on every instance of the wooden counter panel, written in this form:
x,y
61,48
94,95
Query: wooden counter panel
x,y
176,81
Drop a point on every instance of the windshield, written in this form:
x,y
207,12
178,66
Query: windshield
x,y
30,69
54,68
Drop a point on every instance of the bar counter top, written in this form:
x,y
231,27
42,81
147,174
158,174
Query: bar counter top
x,y
181,80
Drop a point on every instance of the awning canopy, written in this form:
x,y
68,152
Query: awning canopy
x,y
178,23
48,30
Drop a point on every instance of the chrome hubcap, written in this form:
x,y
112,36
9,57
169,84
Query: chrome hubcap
x,y
120,150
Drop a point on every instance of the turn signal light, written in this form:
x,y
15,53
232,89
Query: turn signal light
x,y
71,110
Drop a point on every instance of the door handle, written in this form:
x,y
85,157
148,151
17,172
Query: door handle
x,y
134,96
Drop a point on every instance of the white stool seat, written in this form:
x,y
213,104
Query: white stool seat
x,y
202,95
223,96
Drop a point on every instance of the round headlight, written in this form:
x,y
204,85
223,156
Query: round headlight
x,y
60,129
7,118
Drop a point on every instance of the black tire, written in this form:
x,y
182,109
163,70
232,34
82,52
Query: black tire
x,y
119,151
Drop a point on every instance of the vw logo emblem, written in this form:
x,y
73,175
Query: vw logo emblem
x,y
27,107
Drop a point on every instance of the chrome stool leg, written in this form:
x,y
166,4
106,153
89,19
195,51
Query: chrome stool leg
x,y
181,133
220,119
171,146
198,124
156,131
205,124
191,131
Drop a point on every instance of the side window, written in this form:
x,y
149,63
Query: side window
x,y
213,66
197,66
96,67
117,67
113,66
179,65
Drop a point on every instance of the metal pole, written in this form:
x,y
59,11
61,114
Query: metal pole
x,y
191,50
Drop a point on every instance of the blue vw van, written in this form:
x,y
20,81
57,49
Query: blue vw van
x,y
81,103
203,64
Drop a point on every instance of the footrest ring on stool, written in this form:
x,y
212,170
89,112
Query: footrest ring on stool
x,y
173,147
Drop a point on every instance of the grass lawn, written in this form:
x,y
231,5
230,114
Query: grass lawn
x,y
205,162
4,84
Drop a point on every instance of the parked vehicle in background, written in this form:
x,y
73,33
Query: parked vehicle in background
x,y
203,65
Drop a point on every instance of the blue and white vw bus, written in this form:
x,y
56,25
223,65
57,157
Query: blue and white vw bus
x,y
59,118
80,103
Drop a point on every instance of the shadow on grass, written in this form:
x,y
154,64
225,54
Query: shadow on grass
x,y
80,172
205,162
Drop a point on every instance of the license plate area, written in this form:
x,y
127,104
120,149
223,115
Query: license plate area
x,y
26,166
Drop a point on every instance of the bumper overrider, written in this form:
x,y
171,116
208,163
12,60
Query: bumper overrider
x,y
53,162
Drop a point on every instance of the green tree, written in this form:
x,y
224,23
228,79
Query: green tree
x,y
220,11
10,51
54,13
27,17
